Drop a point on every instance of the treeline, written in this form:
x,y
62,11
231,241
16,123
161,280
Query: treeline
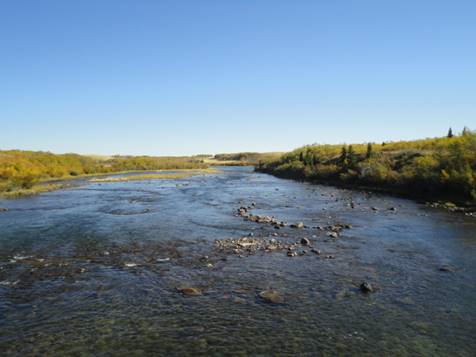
x,y
22,169
440,168
247,158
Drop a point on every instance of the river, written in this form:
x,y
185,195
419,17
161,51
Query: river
x,y
99,270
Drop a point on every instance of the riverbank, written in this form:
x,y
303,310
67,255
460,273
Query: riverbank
x,y
440,169
133,175
435,200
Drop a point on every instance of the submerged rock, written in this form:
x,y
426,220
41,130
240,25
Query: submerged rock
x,y
162,260
190,291
448,269
3,209
298,225
271,297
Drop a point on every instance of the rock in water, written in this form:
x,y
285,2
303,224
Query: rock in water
x,y
298,225
305,241
271,297
191,291
448,269
366,287
3,209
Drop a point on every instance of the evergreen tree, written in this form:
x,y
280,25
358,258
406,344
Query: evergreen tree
x,y
369,151
450,133
351,156
343,155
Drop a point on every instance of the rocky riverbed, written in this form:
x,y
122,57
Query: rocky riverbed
x,y
234,264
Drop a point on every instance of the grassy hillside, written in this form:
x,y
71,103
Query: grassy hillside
x,y
440,168
23,169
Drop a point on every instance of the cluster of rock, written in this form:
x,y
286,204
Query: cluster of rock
x,y
468,211
249,245
244,212
334,230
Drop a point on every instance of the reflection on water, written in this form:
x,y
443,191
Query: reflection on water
x,y
99,269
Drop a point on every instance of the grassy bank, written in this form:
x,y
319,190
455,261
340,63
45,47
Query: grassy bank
x,y
433,169
159,176
35,190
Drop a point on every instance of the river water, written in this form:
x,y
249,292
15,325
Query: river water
x,y
97,270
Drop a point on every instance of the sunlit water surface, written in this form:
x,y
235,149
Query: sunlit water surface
x,y
96,270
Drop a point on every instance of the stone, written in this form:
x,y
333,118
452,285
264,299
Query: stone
x,y
366,287
3,209
316,251
271,297
305,241
298,225
333,234
190,291
448,269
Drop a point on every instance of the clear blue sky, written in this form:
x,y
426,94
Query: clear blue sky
x,y
188,77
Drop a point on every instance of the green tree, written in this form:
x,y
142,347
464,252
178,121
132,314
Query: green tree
x,y
343,156
351,157
450,133
369,151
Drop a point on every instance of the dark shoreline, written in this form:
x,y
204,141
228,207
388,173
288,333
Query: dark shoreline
x,y
434,198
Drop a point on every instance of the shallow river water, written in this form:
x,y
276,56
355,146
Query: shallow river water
x,y
98,270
